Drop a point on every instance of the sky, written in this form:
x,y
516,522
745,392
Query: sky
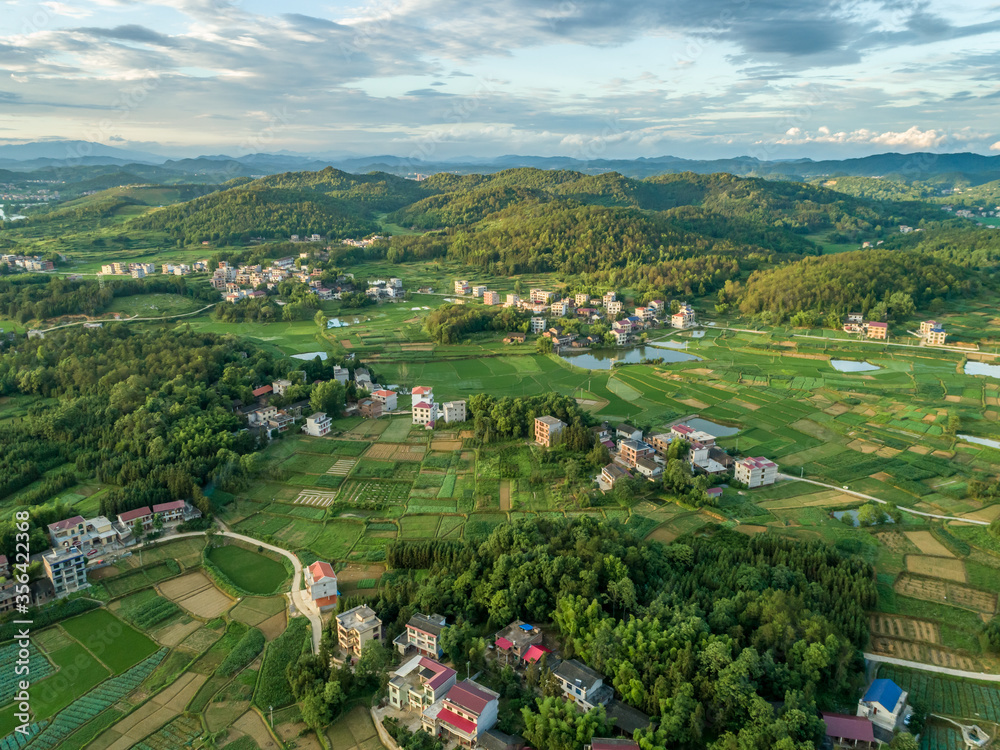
x,y
445,79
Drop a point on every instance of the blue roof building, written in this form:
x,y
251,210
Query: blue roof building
x,y
884,703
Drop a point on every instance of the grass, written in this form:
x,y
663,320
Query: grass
x,y
115,643
249,570
78,671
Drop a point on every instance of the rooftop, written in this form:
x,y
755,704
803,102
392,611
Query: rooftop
x,y
131,515
856,728
884,692
550,421
432,624
471,696
573,671
165,507
65,524
320,570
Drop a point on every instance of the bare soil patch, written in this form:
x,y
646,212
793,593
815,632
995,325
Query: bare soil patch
x,y
505,494
937,567
694,403
927,544
396,452
922,450
254,727
274,626
938,590
750,530
446,445
895,541
197,594
172,635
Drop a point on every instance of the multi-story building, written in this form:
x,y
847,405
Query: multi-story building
x,y
877,330
424,410
67,569
609,298
357,627
622,333
560,308
422,633
648,468
420,683
462,287
317,424
541,295
386,398
281,386
884,704
321,582
491,298
582,685
756,472
548,431
657,306
468,710
581,299
370,408
537,325
613,473
341,374
933,333
261,415
613,307
645,314
453,411
684,317
478,290
143,515
513,300
172,512
514,640
630,451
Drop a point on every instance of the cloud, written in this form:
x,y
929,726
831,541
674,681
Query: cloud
x,y
995,146
61,9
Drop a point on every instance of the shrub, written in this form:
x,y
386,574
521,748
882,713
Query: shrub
x,y
251,644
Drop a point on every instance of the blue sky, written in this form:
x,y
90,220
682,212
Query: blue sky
x,y
444,78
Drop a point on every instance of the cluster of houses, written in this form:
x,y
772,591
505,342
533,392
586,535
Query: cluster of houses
x,y
427,694
932,333
426,411
361,243
77,540
135,270
27,262
381,290
243,282
871,329
424,692
634,456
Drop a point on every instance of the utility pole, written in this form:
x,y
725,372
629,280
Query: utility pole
x,y
468,666
272,716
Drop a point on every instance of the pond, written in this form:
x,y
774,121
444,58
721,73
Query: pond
x,y
671,343
310,355
852,365
980,441
840,515
713,429
981,368
602,359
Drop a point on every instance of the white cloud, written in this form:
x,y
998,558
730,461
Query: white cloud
x,y
995,146
912,138
61,9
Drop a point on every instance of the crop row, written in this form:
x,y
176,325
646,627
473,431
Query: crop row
x,y
85,708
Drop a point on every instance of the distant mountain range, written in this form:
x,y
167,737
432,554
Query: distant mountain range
x,y
56,156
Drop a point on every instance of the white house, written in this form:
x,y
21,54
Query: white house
x,y
884,704
386,398
537,325
321,581
453,411
756,472
317,424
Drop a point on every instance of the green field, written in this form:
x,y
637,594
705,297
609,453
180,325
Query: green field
x,y
114,642
250,571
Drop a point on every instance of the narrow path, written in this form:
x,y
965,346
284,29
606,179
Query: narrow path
x,y
975,521
298,596
130,320
982,676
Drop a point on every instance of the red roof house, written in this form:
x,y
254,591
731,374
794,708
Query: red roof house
x,y
263,390
851,728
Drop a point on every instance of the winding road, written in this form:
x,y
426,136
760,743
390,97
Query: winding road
x,y
297,596
974,521
129,320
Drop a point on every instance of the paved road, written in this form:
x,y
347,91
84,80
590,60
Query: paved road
x,y
931,668
953,349
298,596
129,320
884,502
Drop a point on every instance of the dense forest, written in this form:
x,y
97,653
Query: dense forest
x,y
25,297
853,281
237,215
147,412
728,641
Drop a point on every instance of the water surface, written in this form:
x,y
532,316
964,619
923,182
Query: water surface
x,y
310,355
981,368
603,359
852,365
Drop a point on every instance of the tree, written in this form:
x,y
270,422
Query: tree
x,y
328,397
904,741
870,515
320,320
137,529
559,726
158,521
543,345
